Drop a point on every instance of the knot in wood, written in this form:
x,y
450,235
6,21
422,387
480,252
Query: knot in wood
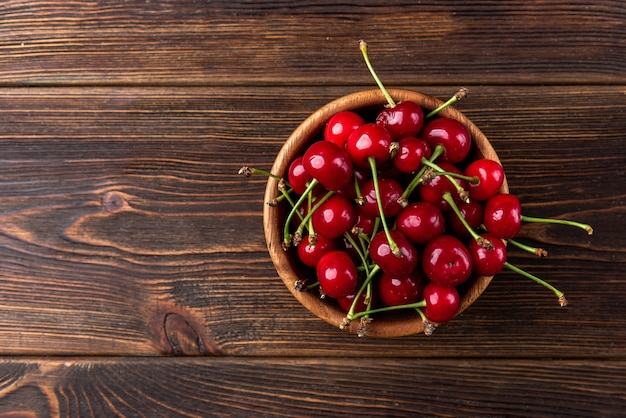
x,y
114,201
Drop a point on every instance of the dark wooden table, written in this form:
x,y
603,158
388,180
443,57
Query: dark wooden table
x,y
134,274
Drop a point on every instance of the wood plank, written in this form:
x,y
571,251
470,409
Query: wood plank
x,y
310,387
124,229
310,42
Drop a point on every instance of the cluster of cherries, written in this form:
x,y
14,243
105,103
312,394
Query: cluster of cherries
x,y
389,213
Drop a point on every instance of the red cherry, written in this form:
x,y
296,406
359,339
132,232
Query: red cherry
x,y
450,133
388,262
400,291
488,261
403,119
310,254
442,302
369,140
346,302
334,217
390,192
410,152
446,261
433,190
337,274
473,213
340,126
420,222
503,216
297,176
329,164
490,176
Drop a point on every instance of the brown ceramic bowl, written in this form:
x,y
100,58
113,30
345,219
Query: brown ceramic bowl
x,y
392,324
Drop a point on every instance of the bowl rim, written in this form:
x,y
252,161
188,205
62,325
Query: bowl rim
x,y
303,135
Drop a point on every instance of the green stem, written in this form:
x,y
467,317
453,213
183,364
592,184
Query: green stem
x,y
450,176
533,250
364,286
438,151
363,47
392,244
419,304
294,209
313,209
557,292
249,171
461,94
585,227
447,196
359,251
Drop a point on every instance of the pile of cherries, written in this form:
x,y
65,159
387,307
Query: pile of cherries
x,y
389,212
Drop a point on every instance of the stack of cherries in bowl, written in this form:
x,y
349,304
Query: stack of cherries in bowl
x,y
389,212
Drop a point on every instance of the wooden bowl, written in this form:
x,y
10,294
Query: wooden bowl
x,y
289,269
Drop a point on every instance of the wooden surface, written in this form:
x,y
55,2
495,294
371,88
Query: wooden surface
x,y
134,276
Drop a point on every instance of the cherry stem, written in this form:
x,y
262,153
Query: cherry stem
x,y
359,251
438,151
557,292
450,176
392,244
485,243
351,315
249,171
298,234
461,94
420,304
294,209
429,327
585,227
533,250
363,47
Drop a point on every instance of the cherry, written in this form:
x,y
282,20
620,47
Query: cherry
x,y
446,261
433,190
472,212
310,253
329,164
369,140
450,133
400,291
503,215
403,119
420,222
364,224
340,126
490,177
390,191
346,302
488,261
383,255
410,152
336,274
334,217
442,302
298,176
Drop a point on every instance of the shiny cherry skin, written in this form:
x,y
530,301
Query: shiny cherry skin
x,y
404,119
345,302
388,262
446,261
400,291
490,176
390,192
340,126
433,190
420,222
310,254
297,176
334,217
503,216
488,261
450,133
369,140
329,164
411,150
442,302
472,212
336,274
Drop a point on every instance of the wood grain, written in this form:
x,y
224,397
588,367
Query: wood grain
x,y
126,231
311,387
310,42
